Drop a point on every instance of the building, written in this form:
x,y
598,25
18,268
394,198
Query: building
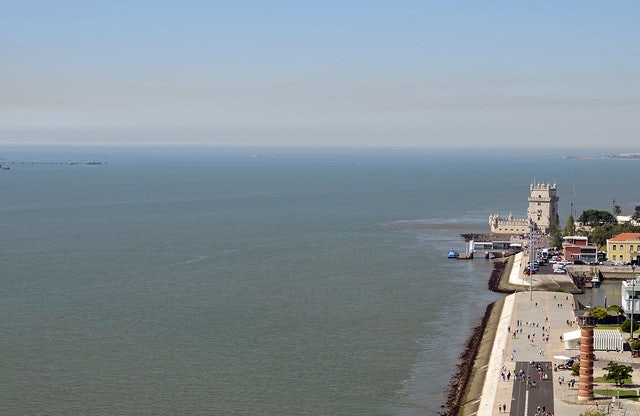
x,y
509,225
541,213
630,296
603,340
624,248
577,249
543,206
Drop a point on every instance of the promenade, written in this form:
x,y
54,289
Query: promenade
x,y
538,319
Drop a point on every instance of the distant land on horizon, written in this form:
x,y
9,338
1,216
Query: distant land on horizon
x,y
618,156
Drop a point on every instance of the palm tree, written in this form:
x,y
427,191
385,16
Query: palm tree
x,y
616,210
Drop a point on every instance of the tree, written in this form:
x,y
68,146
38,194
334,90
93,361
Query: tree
x,y
626,325
615,308
570,229
555,235
617,372
575,369
600,234
600,313
595,217
636,213
616,210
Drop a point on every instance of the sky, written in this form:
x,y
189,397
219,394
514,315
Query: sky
x,y
426,74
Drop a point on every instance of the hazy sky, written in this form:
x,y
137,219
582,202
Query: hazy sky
x,y
443,74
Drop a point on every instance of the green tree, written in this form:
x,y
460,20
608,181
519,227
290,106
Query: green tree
x,y
600,234
555,235
595,217
626,228
636,213
600,313
635,345
616,210
626,325
615,308
575,369
570,229
617,372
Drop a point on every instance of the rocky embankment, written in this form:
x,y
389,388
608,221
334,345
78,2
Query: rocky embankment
x,y
468,380
461,388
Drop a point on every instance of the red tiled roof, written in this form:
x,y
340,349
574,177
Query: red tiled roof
x,y
626,237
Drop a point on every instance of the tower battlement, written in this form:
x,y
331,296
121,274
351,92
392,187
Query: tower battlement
x,y
542,212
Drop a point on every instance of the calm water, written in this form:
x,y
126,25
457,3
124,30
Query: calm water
x,y
215,283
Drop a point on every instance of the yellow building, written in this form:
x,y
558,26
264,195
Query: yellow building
x,y
624,248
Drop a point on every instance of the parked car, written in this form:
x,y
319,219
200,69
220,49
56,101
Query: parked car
x,y
559,271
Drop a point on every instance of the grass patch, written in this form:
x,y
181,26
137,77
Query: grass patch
x,y
622,394
608,326
603,380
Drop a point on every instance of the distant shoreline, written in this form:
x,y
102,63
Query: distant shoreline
x,y
621,156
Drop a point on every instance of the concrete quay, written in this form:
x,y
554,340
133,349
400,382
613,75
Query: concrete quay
x,y
539,317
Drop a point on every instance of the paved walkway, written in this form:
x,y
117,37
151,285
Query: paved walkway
x,y
538,319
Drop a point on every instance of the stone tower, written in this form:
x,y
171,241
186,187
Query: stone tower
x,y
543,206
586,323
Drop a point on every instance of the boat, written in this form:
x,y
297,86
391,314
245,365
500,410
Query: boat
x,y
465,256
453,254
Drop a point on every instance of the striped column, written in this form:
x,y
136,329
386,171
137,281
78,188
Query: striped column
x,y
585,382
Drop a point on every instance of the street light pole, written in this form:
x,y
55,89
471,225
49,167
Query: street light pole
x,y
531,259
633,296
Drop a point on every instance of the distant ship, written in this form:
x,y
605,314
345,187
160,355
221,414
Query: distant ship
x,y
90,162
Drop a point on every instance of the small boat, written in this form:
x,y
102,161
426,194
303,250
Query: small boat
x,y
453,254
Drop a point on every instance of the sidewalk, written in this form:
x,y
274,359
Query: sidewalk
x,y
536,311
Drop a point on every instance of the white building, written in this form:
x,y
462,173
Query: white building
x,y
603,340
630,296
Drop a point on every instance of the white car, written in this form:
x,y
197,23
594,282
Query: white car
x,y
559,271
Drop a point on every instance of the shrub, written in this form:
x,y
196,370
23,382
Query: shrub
x,y
575,369
626,325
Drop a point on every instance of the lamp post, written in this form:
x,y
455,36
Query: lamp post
x,y
531,259
633,297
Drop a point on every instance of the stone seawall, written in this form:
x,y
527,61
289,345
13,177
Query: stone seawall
x,y
467,383
468,380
